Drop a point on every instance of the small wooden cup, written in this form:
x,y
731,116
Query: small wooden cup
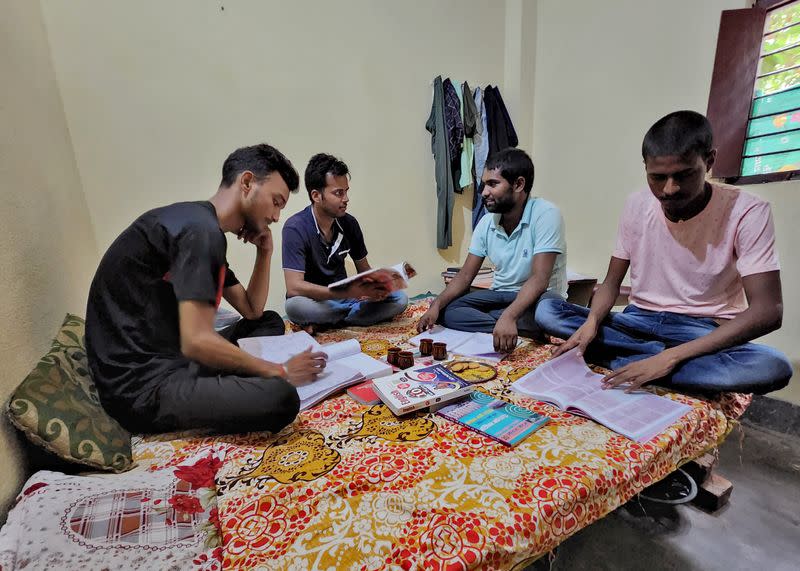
x,y
405,359
440,351
392,354
425,347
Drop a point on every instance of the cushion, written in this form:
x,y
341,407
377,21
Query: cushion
x,y
57,407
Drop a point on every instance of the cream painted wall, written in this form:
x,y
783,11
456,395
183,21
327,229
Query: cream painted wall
x,y
47,248
157,93
520,67
605,71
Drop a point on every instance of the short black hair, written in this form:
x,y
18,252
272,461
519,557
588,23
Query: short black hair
x,y
261,160
513,163
680,134
318,167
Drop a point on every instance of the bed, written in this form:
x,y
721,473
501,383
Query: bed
x,y
348,486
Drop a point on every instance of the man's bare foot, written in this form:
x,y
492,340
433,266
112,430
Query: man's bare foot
x,y
310,329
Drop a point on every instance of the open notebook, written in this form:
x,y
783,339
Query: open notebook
x,y
479,345
567,382
346,366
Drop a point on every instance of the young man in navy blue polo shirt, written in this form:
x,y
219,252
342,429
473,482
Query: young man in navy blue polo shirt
x,y
316,242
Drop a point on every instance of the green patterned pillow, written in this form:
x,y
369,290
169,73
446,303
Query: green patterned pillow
x,y
57,407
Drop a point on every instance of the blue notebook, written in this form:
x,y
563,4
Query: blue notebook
x,y
495,418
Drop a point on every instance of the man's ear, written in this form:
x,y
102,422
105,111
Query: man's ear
x,y
519,184
246,180
711,159
316,195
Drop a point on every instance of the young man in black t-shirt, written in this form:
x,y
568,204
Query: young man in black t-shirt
x,y
154,355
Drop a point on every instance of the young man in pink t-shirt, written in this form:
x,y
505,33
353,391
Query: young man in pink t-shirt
x,y
705,279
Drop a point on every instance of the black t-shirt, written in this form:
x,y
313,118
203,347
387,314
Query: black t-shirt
x,y
305,249
170,254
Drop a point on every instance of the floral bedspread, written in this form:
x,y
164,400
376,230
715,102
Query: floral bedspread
x,y
348,486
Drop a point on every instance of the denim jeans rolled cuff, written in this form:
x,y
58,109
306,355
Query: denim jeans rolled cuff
x,y
306,311
636,334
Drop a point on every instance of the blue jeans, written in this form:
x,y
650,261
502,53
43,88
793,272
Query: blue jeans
x,y
636,334
307,311
480,310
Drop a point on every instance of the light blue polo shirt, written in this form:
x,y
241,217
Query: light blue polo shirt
x,y
541,229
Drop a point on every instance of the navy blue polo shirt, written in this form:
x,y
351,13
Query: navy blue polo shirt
x,y
305,249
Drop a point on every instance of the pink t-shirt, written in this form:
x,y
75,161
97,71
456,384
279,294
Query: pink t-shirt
x,y
695,267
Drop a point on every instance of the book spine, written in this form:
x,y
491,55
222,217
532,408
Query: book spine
x,y
416,406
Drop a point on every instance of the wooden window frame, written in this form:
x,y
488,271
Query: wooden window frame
x,y
732,86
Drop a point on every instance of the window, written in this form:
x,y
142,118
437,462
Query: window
x,y
754,104
772,141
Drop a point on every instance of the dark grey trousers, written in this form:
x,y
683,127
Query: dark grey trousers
x,y
193,396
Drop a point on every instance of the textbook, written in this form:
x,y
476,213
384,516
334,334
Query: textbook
x,y
364,394
346,365
479,345
498,419
568,383
392,278
420,387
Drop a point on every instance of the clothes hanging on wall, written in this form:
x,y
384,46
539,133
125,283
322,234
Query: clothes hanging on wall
x,y
481,152
452,118
501,130
455,130
501,134
445,198
466,127
470,115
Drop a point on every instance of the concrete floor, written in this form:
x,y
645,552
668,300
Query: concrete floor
x,y
758,529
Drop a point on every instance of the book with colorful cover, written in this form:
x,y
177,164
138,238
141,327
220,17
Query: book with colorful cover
x,y
391,278
420,387
498,419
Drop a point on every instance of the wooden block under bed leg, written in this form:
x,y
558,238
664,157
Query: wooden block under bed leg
x,y
714,493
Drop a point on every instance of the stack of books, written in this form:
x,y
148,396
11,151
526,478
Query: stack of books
x,y
483,280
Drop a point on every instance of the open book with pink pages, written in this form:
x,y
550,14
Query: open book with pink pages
x,y
346,365
568,383
392,278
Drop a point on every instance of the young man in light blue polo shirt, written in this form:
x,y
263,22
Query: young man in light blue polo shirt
x,y
525,240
